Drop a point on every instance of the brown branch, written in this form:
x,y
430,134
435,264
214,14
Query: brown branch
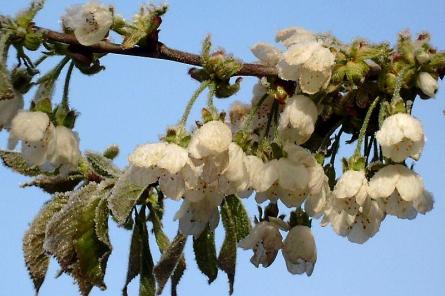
x,y
160,52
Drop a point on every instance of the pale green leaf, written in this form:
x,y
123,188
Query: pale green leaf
x,y
123,198
102,165
36,259
17,163
71,238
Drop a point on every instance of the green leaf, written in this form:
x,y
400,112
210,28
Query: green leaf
x,y
101,221
123,198
163,243
140,260
102,166
17,163
147,286
53,184
205,254
177,275
169,260
241,219
134,259
72,239
36,259
227,255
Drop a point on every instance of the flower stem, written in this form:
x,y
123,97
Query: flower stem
x,y
192,101
66,87
365,127
210,96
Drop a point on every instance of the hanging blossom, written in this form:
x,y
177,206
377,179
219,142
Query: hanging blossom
x,y
401,191
66,154
401,136
306,60
265,240
209,150
350,210
37,134
164,162
427,84
90,22
288,178
297,122
43,144
300,251
195,216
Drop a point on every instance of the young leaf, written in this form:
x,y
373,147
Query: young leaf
x,y
123,198
140,261
177,275
241,219
147,286
17,163
169,260
134,259
36,259
205,254
71,238
102,166
163,243
227,255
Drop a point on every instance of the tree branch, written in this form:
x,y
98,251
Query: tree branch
x,y
160,51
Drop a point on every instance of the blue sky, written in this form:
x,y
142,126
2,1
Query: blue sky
x,y
135,99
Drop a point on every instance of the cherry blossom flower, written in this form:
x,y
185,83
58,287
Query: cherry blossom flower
x,y
300,251
90,22
265,240
297,122
401,136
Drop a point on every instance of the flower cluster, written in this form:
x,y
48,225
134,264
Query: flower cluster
x,y
43,144
280,149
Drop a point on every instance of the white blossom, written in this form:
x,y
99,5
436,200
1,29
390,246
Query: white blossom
x,y
234,178
90,22
401,136
297,122
166,162
265,240
401,191
195,216
319,192
289,179
306,60
212,138
351,211
427,84
37,134
66,151
300,251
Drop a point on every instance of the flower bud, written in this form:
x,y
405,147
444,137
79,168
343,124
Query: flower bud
x,y
427,84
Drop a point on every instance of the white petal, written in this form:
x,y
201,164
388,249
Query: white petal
x,y
212,138
174,158
266,53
